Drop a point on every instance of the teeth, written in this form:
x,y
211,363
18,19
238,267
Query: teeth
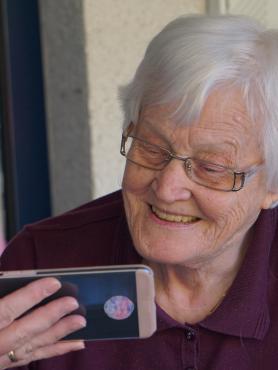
x,y
173,218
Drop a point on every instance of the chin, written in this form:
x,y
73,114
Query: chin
x,y
164,251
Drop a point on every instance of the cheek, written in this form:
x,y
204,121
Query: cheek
x,y
135,189
230,215
212,205
136,180
134,186
220,212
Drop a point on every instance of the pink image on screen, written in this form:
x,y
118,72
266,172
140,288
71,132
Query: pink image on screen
x,y
118,307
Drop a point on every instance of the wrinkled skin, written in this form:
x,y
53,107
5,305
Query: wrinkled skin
x,y
36,336
224,134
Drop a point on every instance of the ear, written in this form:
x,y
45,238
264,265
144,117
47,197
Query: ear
x,y
270,200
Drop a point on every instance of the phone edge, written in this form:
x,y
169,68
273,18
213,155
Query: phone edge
x,y
145,302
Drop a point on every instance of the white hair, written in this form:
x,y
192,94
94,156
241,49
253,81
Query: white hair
x,y
193,55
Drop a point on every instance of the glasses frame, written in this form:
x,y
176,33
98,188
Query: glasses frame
x,y
242,175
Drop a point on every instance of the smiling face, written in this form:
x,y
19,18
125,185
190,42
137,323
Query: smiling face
x,y
173,220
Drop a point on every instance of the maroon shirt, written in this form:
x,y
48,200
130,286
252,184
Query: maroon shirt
x,y
242,334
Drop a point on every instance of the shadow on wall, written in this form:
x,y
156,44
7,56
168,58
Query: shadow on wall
x,y
66,92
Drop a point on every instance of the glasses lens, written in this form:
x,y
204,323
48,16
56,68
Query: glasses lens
x,y
209,174
145,154
202,172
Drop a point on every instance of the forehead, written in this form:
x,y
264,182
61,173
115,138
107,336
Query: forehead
x,y
226,110
222,109
223,123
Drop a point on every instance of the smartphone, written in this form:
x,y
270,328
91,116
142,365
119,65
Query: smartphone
x,y
117,301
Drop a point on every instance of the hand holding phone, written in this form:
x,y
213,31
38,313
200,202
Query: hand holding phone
x,y
34,336
117,301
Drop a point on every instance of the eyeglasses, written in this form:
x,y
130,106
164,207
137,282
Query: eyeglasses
x,y
210,175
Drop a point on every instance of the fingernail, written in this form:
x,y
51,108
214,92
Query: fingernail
x,y
80,345
78,324
82,322
72,304
52,286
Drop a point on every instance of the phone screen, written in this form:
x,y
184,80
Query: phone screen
x,y
108,300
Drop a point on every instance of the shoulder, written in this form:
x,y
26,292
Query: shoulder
x,y
105,208
87,235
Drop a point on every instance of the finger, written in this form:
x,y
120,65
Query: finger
x,y
15,304
36,322
56,349
61,329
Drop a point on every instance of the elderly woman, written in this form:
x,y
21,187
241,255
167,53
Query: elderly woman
x,y
197,204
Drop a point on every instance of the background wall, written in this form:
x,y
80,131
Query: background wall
x,y
265,11
90,48
117,33
63,38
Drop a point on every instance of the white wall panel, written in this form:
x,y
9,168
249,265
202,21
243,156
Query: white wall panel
x,y
265,11
90,47
118,32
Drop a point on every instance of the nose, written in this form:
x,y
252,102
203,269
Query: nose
x,y
172,184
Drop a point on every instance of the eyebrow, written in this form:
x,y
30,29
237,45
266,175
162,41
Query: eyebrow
x,y
151,128
215,147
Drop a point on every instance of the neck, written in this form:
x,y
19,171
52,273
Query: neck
x,y
190,292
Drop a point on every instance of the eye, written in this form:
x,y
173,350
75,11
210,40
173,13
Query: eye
x,y
152,150
211,168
